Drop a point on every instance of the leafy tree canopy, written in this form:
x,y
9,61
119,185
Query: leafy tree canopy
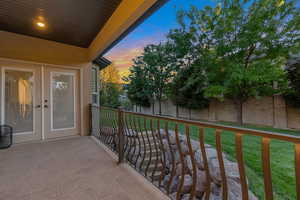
x,y
234,50
110,74
243,45
110,87
187,91
139,88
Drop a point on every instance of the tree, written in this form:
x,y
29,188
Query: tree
x,y
292,95
110,74
110,95
186,89
243,46
110,87
159,66
139,88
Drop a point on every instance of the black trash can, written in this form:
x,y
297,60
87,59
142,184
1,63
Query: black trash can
x,y
6,137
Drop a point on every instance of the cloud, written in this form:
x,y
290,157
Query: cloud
x,y
123,59
128,49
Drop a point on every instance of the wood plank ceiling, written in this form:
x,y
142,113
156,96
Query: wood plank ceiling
x,y
74,22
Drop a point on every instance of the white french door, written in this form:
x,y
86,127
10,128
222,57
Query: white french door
x,y
20,101
61,102
39,102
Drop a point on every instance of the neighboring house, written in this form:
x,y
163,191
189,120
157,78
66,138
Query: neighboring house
x,y
50,54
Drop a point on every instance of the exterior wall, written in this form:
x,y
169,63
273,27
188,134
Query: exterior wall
x,y
86,98
293,118
20,47
226,111
200,114
183,113
146,110
259,111
266,111
280,112
168,108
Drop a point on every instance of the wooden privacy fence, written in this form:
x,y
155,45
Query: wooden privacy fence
x,y
163,149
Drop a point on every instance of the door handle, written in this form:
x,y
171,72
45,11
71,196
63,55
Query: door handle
x,y
38,106
45,106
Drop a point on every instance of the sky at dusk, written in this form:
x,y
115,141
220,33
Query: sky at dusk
x,y
153,30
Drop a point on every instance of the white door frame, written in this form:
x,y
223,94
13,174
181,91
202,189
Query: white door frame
x,y
42,103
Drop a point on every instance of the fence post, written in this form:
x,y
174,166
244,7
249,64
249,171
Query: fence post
x,y
120,136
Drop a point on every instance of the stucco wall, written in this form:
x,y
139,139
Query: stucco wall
x,y
21,47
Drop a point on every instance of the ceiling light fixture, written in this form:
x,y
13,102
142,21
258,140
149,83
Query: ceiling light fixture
x,y
40,24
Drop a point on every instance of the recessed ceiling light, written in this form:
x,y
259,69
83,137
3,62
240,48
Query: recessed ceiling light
x,y
40,24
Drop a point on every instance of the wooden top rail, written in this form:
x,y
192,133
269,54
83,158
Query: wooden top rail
x,y
268,134
246,131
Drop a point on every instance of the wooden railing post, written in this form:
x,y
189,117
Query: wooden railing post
x,y
121,137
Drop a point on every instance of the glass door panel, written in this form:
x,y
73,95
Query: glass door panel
x,y
62,101
19,100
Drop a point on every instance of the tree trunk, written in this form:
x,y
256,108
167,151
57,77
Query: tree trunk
x,y
177,111
140,108
239,108
190,114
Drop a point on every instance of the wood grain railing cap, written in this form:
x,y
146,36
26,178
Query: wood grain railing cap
x,y
239,130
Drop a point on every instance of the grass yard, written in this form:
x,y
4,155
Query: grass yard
x,y
282,159
282,163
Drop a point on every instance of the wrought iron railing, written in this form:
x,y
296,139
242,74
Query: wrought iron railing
x,y
166,152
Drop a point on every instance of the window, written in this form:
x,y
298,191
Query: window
x,y
95,88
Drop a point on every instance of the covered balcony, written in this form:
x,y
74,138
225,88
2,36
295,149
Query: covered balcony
x,y
50,52
65,146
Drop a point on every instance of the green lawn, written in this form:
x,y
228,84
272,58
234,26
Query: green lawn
x,y
282,159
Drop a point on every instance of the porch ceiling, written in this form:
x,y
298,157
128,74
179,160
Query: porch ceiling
x,y
67,21
68,32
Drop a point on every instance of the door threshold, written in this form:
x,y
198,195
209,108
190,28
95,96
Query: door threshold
x,y
46,140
